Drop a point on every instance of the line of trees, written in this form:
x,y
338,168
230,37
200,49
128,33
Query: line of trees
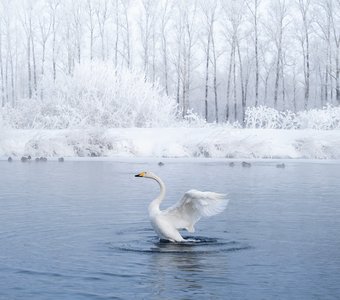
x,y
216,57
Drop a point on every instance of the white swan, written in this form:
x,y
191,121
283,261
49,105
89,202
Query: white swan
x,y
185,213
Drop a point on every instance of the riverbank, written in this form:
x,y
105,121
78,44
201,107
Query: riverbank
x,y
206,142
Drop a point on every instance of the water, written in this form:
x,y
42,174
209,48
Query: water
x,y
79,230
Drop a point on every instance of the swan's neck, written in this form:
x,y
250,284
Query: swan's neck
x,y
154,205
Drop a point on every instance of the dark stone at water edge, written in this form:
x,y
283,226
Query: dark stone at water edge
x,y
61,159
9,159
281,166
24,159
246,164
232,164
43,159
161,164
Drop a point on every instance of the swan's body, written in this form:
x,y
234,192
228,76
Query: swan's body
x,y
185,213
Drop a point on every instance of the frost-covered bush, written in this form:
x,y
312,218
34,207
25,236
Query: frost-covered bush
x,y
192,119
95,96
325,119
265,117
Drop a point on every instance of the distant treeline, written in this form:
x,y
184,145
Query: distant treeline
x,y
214,57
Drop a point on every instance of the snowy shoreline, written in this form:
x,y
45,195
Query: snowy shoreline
x,y
177,142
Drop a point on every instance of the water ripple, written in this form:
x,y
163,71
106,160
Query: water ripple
x,y
197,245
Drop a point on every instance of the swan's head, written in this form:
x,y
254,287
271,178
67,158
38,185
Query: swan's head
x,y
146,175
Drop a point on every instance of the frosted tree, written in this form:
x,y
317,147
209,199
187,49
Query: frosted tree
x,y
2,69
189,41
53,10
146,24
186,37
233,15
166,12
324,33
91,24
334,14
279,14
209,10
215,56
77,27
304,8
253,6
177,57
45,24
7,68
26,20
67,36
102,15
206,54
126,36
116,9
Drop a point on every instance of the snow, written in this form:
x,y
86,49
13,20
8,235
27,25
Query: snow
x,y
99,112
176,142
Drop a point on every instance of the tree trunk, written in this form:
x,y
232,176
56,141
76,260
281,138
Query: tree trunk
x,y
326,80
256,57
127,29
165,62
42,71
34,68
337,74
207,77
215,75
178,67
117,36
283,86
235,94
12,75
184,85
29,67
307,71
153,56
294,92
91,44
229,79
266,88
6,80
277,77
54,68
241,83
2,74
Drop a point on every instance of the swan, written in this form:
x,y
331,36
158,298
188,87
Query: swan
x,y
185,213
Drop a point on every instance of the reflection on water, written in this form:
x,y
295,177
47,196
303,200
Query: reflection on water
x,y
79,230
185,270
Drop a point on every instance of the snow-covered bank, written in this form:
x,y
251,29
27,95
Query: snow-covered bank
x,y
216,142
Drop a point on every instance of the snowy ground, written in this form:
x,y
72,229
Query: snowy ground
x,y
214,142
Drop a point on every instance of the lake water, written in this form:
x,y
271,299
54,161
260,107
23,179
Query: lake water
x,y
79,230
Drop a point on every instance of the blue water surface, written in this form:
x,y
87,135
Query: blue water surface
x,y
80,230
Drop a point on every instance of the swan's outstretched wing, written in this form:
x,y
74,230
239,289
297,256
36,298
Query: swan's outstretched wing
x,y
194,205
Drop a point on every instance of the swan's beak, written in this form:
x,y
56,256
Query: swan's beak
x,y
140,174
